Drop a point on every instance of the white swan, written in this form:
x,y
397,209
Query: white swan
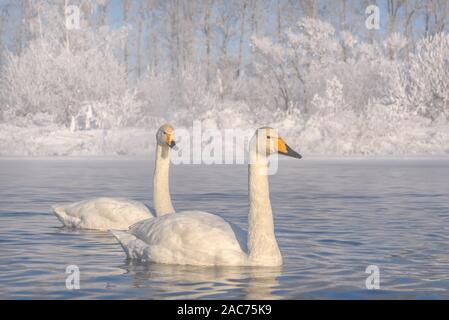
x,y
201,238
120,213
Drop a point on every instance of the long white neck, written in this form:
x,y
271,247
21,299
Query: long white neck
x,y
161,189
262,245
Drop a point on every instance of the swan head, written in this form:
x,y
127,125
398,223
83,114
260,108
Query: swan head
x,y
165,136
268,141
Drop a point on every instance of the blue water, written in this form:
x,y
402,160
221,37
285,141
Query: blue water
x,y
333,218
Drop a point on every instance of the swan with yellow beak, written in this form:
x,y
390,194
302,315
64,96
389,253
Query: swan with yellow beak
x,y
107,213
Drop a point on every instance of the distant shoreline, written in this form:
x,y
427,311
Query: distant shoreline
x,y
149,156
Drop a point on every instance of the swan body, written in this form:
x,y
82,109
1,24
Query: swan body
x,y
186,238
102,214
119,213
201,238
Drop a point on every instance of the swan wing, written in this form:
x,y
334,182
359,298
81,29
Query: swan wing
x,y
188,238
102,213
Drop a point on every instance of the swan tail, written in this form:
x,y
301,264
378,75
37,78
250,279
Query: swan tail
x,y
66,220
133,247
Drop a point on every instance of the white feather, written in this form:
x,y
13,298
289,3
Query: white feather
x,y
102,214
188,238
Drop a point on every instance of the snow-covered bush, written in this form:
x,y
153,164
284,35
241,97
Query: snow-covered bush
x,y
291,68
59,82
369,77
332,125
351,96
118,112
294,72
59,77
429,77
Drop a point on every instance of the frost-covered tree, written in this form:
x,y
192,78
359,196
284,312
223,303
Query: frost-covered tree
x,y
429,77
48,78
291,67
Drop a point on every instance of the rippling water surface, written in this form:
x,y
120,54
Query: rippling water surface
x,y
333,218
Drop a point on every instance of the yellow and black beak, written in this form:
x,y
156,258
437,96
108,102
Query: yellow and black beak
x,y
173,145
171,142
284,149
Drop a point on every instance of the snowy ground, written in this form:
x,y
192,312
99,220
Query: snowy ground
x,y
53,141
46,141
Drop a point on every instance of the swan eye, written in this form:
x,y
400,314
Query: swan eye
x,y
268,137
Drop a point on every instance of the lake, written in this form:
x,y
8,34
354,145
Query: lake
x,y
333,219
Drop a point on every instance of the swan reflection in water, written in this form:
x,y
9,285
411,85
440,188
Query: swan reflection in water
x,y
166,281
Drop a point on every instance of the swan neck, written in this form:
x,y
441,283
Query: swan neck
x,y
262,245
161,187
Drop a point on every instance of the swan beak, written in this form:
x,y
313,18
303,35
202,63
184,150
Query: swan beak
x,y
173,145
292,153
284,149
171,142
